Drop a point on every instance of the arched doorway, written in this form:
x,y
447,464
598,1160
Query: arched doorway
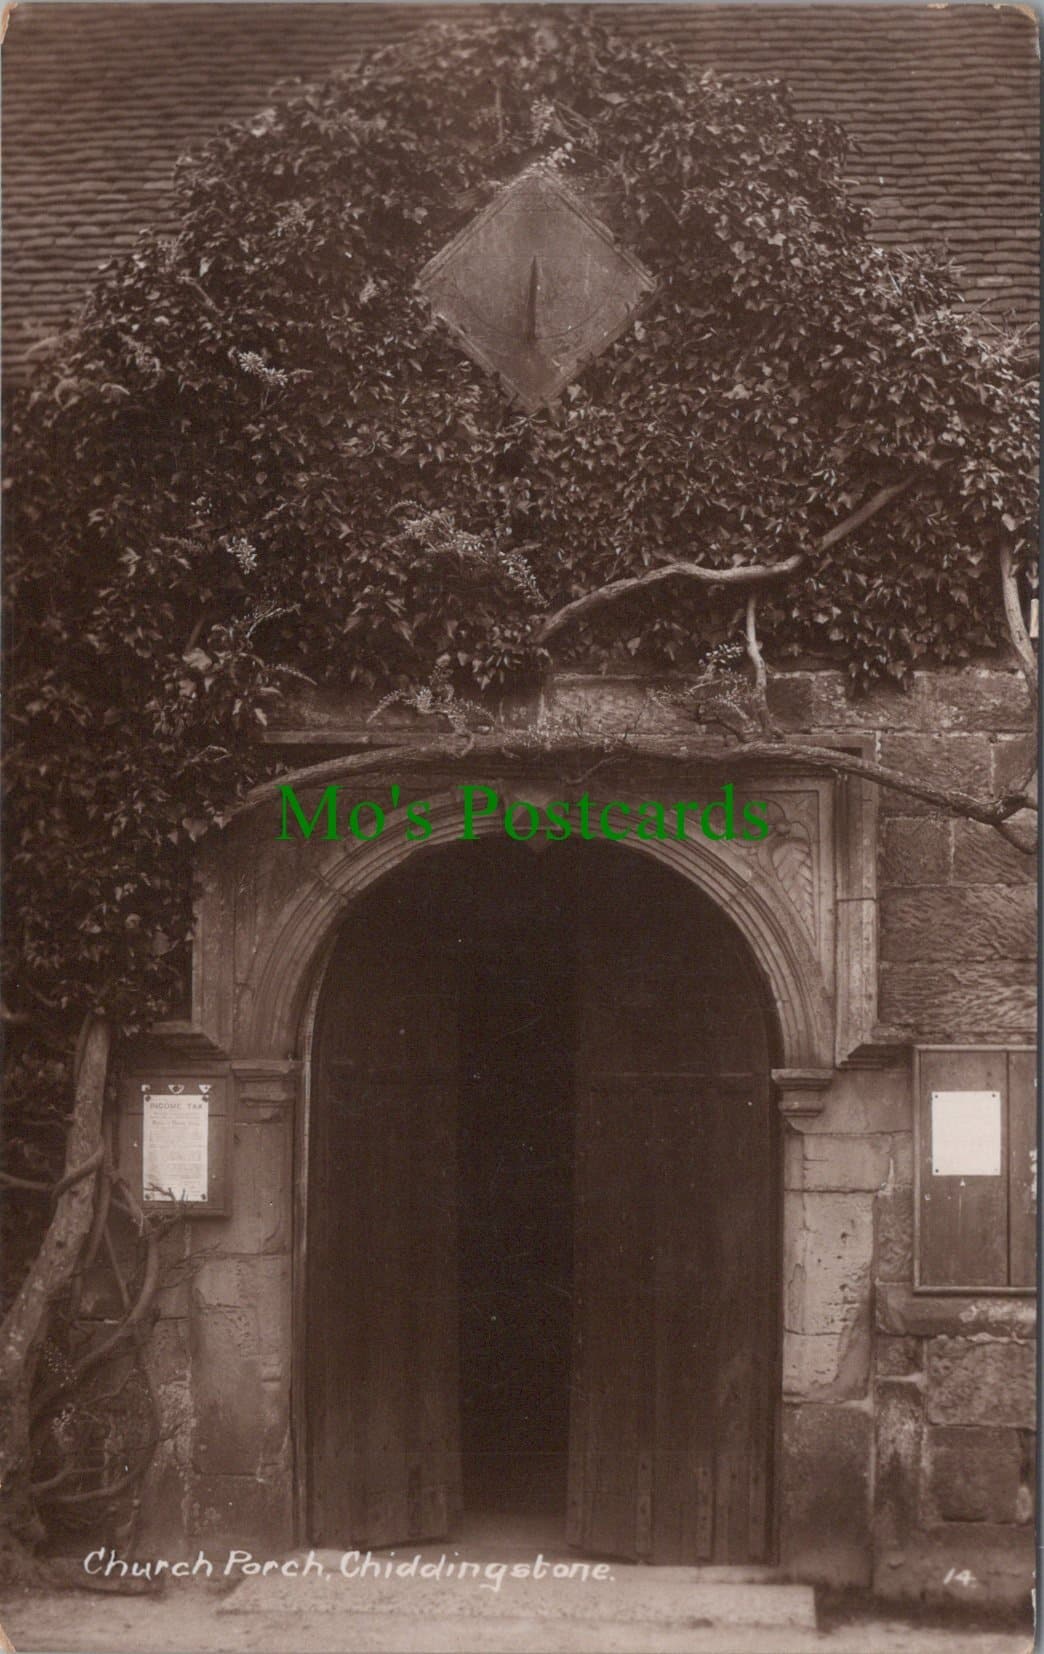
x,y
543,1231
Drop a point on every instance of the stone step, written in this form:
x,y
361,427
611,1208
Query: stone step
x,y
619,1595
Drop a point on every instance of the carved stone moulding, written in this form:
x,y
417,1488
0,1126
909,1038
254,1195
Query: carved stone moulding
x,y
802,1093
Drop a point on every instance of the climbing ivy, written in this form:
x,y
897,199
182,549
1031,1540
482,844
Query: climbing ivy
x,y
254,456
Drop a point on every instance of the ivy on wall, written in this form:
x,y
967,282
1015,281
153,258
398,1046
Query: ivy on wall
x,y
255,458
254,455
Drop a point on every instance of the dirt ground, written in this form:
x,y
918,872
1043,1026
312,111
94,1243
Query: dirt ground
x,y
195,1617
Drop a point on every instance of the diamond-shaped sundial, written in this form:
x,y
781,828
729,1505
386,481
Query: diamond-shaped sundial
x,y
535,286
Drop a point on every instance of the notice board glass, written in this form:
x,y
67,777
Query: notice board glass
x,y
175,1141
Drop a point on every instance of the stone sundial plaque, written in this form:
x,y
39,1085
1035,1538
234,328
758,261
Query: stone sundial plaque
x,y
535,287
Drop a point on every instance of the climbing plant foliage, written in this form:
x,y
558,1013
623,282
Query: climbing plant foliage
x,y
255,456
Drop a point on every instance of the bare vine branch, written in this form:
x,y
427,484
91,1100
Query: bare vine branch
x,y
757,660
90,1165
131,1320
1016,623
444,753
746,575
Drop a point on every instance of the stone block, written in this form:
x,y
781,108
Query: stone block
x,y
247,1512
981,1382
1011,757
938,760
959,924
974,698
172,1298
827,1295
241,1357
864,1101
899,1437
793,1160
825,1493
790,699
893,1215
848,1162
965,700
829,1247
916,850
828,1366
897,1357
834,707
314,707
169,1362
901,1310
261,1219
963,1002
1026,1498
166,1487
952,761
615,702
974,1473
981,856
227,1392
973,1564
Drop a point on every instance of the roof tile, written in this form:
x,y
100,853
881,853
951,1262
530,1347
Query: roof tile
x,y
100,99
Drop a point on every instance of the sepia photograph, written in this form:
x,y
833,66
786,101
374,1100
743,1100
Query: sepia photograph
x,y
520,853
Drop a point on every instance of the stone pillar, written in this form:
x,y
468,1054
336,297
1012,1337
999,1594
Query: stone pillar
x,y
848,1137
240,1326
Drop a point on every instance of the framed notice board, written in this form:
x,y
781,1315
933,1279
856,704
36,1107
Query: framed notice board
x,y
975,1160
175,1141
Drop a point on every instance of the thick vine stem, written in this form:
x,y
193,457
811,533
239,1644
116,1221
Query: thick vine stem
x,y
393,765
25,1324
757,661
746,575
131,1320
90,1165
1017,625
9,1181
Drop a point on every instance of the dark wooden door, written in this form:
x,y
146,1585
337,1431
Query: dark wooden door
x,y
676,1308
382,1268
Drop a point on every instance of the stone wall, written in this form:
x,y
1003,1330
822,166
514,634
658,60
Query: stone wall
x,y
906,1419
924,1405
955,1409
221,1354
836,1167
957,904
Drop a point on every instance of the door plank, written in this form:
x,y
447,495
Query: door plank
x,y
385,1452
609,1376
675,1104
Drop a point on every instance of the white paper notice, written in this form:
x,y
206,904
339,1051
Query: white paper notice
x,y
174,1148
966,1133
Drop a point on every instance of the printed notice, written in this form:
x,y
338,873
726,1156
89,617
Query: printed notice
x,y
966,1133
175,1146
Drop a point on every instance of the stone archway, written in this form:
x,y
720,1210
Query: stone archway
x,y
269,913
745,885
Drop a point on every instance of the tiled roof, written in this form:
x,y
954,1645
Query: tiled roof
x,y
100,99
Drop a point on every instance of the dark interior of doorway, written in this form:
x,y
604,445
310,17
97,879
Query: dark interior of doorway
x,y
517,1134
484,1010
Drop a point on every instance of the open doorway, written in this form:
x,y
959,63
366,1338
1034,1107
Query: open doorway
x,y
517,1131
543,1276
